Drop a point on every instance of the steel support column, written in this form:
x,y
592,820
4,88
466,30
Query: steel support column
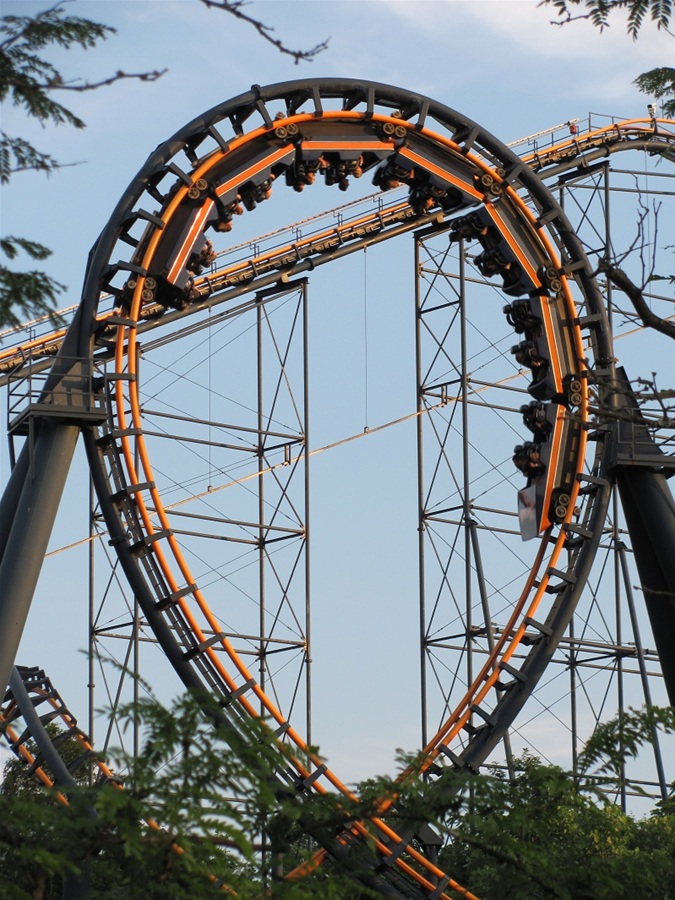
x,y
31,528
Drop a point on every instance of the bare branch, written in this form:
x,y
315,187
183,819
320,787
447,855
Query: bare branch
x,y
235,8
599,12
622,282
94,85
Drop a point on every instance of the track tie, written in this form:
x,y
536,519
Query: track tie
x,y
516,673
281,730
128,323
485,716
370,101
544,630
572,528
141,547
440,887
592,321
309,781
120,376
473,730
571,267
466,136
422,113
518,677
184,177
128,239
129,489
575,535
204,645
264,112
513,172
85,757
592,480
316,97
593,483
392,858
122,266
123,432
166,602
150,217
566,579
219,139
456,761
545,218
243,688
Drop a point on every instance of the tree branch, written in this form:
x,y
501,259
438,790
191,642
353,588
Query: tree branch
x,y
235,8
94,85
599,12
622,282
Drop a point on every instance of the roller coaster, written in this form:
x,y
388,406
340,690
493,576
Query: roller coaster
x,y
487,229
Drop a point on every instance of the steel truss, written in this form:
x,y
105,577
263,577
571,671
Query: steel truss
x,y
467,517
242,509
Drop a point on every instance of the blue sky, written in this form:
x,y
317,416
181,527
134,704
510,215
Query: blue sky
x,y
502,63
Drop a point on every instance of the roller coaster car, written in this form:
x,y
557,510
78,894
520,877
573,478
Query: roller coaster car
x,y
336,155
527,458
532,354
496,262
253,193
302,173
433,180
539,418
521,316
475,226
546,463
391,175
498,257
337,169
426,190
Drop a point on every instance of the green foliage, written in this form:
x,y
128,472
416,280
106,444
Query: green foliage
x,y
622,738
17,155
25,77
28,80
175,830
599,11
25,293
537,836
540,837
660,84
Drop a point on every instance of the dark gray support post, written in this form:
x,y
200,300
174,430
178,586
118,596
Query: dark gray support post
x,y
640,471
650,516
31,527
11,495
420,497
308,580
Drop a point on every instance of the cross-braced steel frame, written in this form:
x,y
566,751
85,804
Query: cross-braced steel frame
x,y
608,659
246,496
